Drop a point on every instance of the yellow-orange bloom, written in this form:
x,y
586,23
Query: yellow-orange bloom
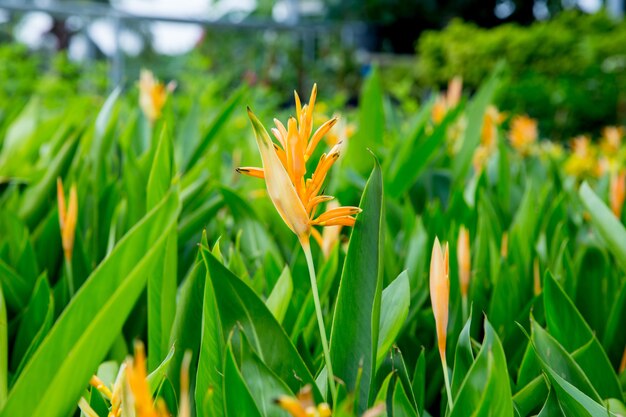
x,y
152,95
464,260
440,292
612,139
582,161
489,131
448,101
284,168
303,405
523,133
617,193
137,378
67,218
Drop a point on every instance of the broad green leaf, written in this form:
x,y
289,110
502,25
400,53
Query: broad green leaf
x,y
371,123
401,405
394,310
265,387
60,369
239,306
237,396
531,396
156,377
551,408
463,358
614,335
209,383
607,225
549,351
354,334
36,320
15,287
162,283
568,327
486,386
278,301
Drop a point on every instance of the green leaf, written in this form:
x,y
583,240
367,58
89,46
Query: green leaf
x,y
463,358
607,225
393,313
237,396
614,335
550,352
475,113
214,128
4,351
401,405
486,386
209,389
37,319
568,327
16,288
162,283
551,408
60,369
418,151
354,334
419,381
35,200
371,123
239,306
278,301
157,376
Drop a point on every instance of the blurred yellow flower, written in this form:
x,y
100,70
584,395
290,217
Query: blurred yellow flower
x,y
448,101
480,158
523,134
303,405
611,139
489,131
582,161
284,169
67,218
617,193
152,95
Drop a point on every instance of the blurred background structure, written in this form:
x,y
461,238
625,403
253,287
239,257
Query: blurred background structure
x,y
562,54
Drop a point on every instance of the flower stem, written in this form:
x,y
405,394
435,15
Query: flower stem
x,y
464,307
70,277
320,318
446,379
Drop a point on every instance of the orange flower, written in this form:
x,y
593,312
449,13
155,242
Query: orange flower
x,y
67,218
448,101
464,259
284,168
137,378
303,405
439,298
523,133
152,95
618,193
440,292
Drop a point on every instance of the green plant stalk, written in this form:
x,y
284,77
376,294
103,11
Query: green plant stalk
x,y
70,277
306,247
446,379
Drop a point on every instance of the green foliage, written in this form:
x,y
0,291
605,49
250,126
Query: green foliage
x,y
556,67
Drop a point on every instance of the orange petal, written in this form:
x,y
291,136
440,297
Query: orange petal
x,y
339,221
318,135
279,186
317,200
61,203
296,166
464,259
69,229
292,406
439,293
337,212
298,105
251,171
